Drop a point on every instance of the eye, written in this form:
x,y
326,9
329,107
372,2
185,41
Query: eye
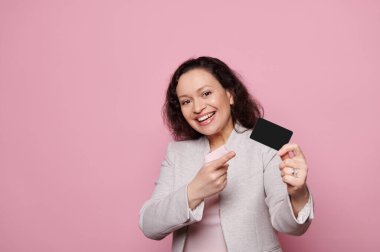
x,y
184,102
206,93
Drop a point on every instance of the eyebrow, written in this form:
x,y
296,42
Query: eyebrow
x,y
199,89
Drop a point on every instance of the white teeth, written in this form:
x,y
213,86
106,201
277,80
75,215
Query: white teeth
x,y
205,117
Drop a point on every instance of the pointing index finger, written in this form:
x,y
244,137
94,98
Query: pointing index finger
x,y
224,159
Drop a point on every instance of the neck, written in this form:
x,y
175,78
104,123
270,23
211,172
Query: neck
x,y
221,137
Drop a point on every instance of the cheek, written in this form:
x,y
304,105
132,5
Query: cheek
x,y
225,106
185,113
221,102
214,101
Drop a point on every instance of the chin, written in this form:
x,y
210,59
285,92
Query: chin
x,y
208,132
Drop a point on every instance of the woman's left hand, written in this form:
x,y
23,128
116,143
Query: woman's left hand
x,y
294,172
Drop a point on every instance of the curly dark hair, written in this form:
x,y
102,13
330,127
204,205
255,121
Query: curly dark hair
x,y
245,110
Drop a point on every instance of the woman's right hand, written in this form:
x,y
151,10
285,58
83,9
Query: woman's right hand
x,y
210,179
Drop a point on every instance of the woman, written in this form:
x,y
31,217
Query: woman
x,y
218,190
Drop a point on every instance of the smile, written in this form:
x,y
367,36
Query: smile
x,y
205,117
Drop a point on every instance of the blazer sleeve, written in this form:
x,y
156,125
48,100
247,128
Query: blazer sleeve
x,y
277,198
167,210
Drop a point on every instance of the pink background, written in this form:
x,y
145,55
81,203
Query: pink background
x,y
81,89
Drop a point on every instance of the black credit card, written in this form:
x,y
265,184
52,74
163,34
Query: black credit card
x,y
270,134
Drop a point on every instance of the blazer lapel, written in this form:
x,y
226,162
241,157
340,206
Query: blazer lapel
x,y
191,161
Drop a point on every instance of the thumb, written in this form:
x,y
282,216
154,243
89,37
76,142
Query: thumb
x,y
285,156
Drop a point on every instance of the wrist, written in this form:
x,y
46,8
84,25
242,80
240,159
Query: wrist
x,y
193,200
301,195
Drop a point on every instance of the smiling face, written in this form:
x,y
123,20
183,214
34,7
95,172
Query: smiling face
x,y
205,104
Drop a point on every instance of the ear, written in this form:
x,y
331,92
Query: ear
x,y
230,96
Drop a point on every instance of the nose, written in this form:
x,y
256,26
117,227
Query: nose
x,y
198,106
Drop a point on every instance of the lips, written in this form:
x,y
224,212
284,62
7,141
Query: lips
x,y
205,118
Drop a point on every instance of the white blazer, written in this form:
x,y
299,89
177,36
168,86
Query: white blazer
x,y
253,206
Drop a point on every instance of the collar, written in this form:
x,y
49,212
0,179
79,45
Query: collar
x,y
231,141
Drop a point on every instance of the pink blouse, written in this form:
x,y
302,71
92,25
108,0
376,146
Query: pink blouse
x,y
207,235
